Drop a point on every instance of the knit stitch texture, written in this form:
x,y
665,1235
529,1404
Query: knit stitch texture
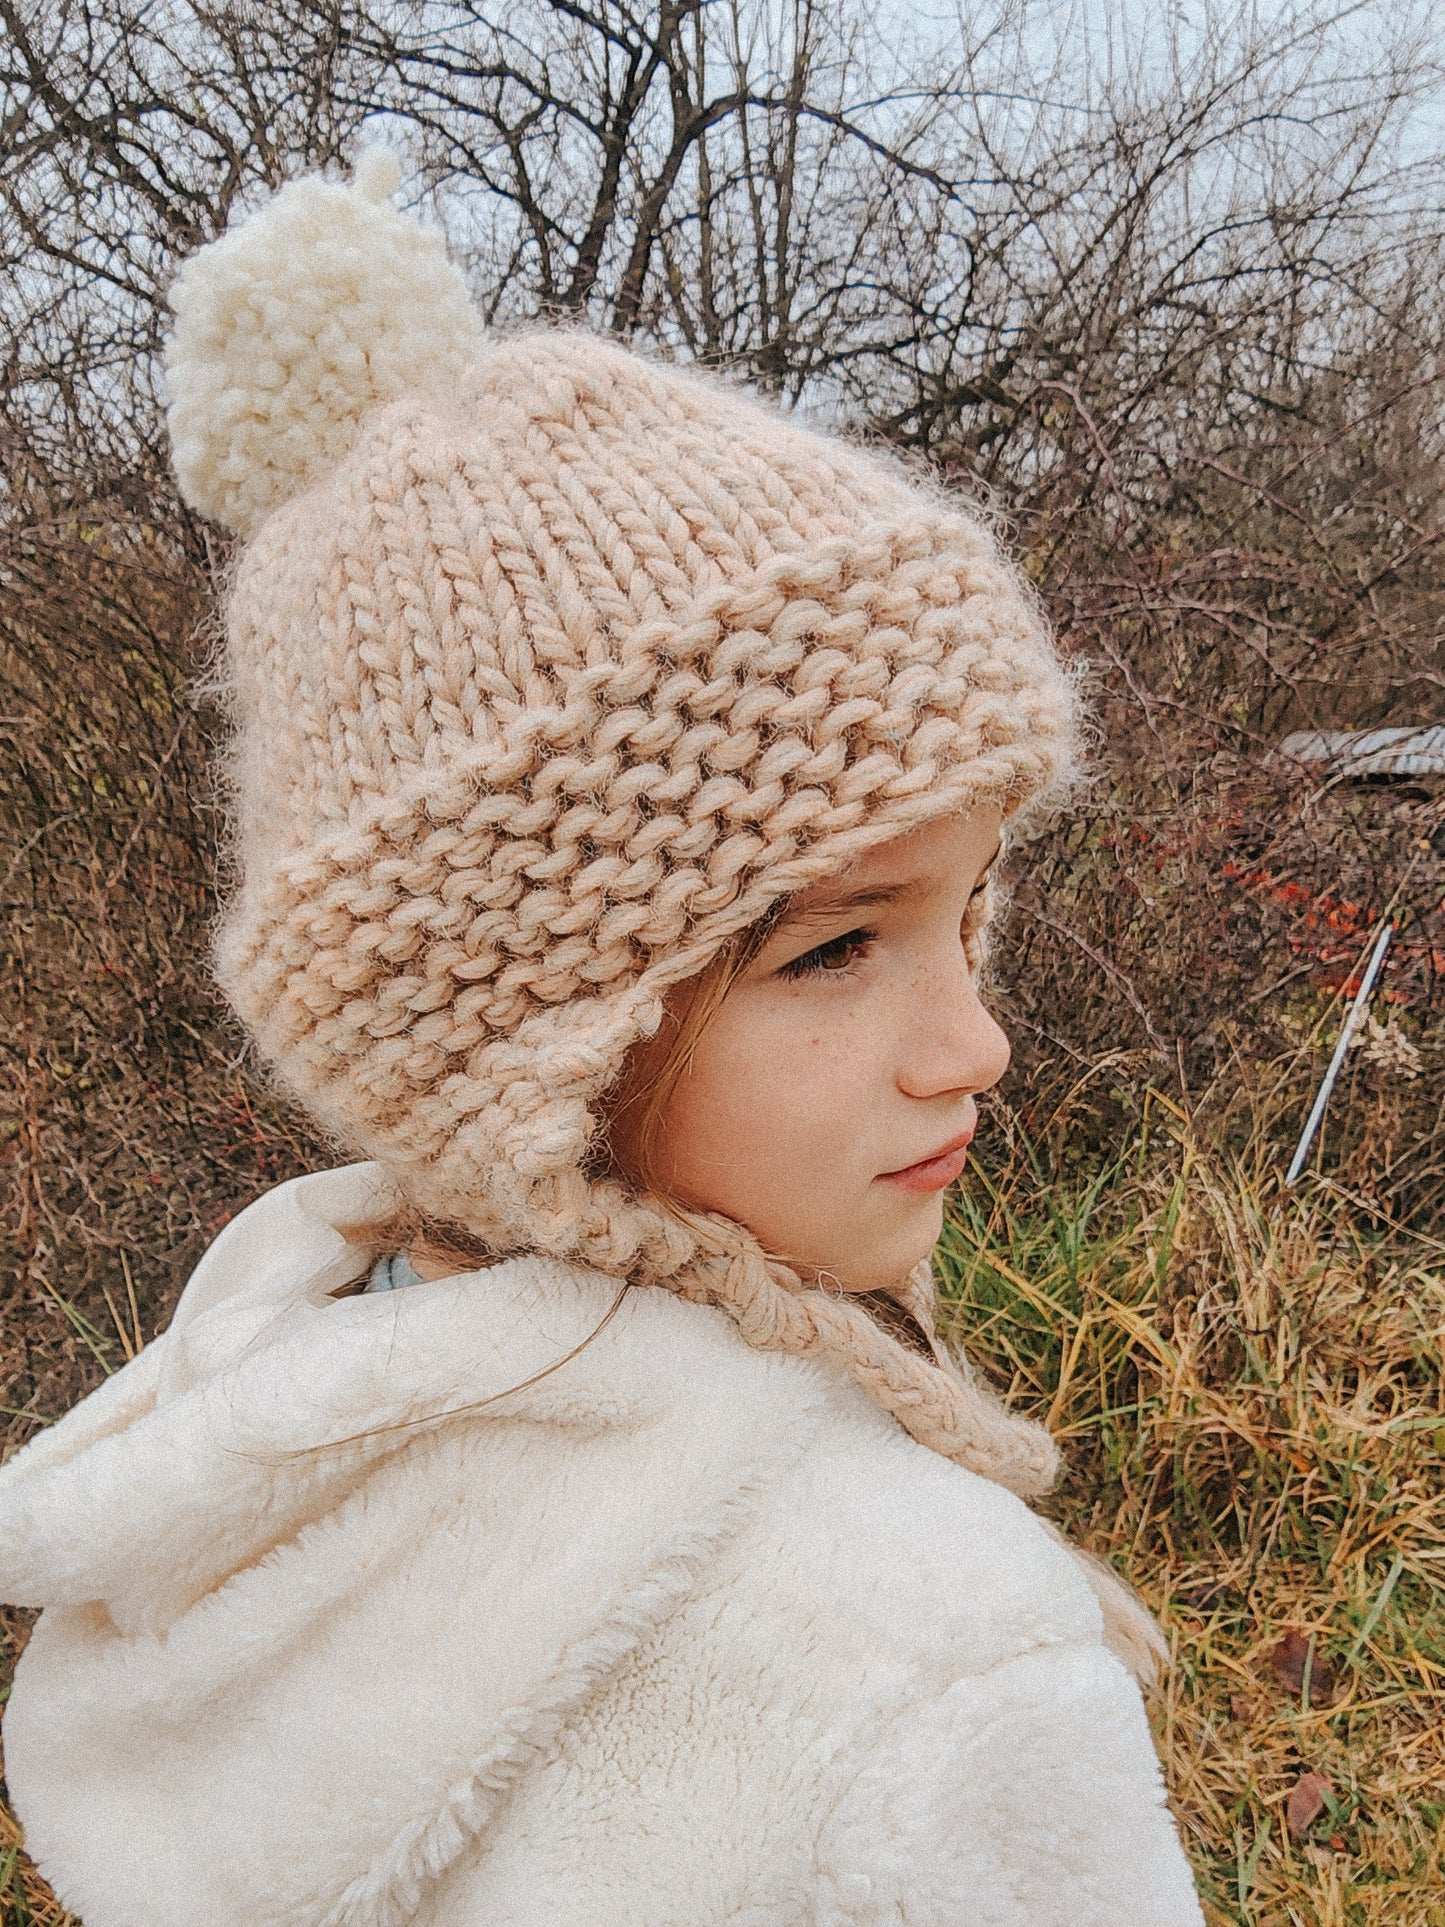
x,y
551,669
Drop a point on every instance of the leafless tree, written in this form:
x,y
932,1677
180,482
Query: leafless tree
x,y
932,233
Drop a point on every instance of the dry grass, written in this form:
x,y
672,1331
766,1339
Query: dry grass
x,y
1248,1386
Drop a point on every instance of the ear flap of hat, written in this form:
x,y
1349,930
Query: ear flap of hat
x,y
291,327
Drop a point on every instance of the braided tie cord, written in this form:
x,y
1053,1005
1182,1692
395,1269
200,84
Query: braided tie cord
x,y
936,1402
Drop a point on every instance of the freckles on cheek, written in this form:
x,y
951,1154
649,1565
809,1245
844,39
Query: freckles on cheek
x,y
778,1087
781,1124
813,1085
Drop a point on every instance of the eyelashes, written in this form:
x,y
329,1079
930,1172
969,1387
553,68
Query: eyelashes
x,y
832,958
835,957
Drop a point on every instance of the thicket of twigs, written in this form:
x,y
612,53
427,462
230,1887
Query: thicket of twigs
x,y
1166,298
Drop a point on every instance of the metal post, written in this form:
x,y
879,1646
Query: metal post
x,y
1356,1011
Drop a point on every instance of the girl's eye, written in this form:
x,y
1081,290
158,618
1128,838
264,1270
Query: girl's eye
x,y
832,958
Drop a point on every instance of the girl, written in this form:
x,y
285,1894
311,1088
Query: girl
x,y
568,1517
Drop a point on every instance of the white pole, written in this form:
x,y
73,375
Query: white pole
x,y
1356,1011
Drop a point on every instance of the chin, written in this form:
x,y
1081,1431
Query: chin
x,y
890,1260
918,1240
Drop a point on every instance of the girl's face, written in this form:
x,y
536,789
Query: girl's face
x,y
829,1100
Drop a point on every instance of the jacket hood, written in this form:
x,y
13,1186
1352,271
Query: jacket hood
x,y
233,1529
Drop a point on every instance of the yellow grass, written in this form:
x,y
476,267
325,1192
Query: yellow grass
x,y
1248,1388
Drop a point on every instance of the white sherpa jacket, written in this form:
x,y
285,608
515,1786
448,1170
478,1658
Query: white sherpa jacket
x,y
681,1634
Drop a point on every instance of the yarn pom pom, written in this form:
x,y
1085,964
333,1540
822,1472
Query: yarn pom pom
x,y
292,326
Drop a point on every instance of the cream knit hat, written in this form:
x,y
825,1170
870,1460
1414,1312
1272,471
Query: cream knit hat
x,y
551,668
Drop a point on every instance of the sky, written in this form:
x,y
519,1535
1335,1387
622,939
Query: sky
x,y
1354,33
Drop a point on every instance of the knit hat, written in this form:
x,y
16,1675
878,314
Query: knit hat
x,y
551,667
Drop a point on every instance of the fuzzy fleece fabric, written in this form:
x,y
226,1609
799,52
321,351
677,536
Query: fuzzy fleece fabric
x,y
682,1633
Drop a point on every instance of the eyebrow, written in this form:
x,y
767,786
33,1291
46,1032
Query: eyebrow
x,y
877,896
842,902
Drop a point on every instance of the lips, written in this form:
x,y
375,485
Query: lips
x,y
936,1172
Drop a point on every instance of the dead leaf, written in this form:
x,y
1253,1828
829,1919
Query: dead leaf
x,y
1293,1657
1306,1802
1242,1708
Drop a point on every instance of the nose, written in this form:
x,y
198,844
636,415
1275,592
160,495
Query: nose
x,y
952,1045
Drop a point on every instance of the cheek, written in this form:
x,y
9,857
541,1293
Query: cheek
x,y
773,1112
783,1125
